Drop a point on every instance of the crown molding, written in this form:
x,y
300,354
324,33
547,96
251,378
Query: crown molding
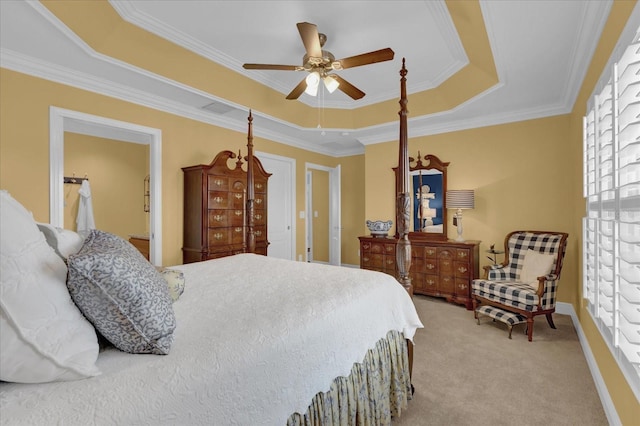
x,y
437,10
69,77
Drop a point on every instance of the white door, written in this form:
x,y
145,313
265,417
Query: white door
x,y
280,205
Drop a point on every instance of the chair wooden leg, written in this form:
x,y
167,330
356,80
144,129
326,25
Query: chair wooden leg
x,y
550,321
530,328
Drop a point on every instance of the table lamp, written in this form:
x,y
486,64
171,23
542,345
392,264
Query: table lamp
x,y
459,199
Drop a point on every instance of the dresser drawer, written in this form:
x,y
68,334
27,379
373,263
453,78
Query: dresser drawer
x,y
390,249
463,254
462,270
377,248
237,200
218,200
226,217
259,217
260,187
218,183
232,235
260,232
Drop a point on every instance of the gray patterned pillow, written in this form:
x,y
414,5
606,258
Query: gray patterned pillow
x,y
122,294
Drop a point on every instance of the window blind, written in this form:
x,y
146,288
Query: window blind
x,y
611,227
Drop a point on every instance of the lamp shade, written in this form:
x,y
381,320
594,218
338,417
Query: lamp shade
x,y
313,79
460,199
330,83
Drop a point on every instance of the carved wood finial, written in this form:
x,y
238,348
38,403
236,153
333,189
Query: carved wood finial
x,y
419,162
403,205
250,220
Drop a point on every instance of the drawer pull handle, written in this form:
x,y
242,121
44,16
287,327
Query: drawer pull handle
x,y
258,200
238,196
258,233
430,251
430,266
258,216
218,199
218,182
238,212
238,229
258,185
462,254
430,282
462,269
218,218
217,236
365,259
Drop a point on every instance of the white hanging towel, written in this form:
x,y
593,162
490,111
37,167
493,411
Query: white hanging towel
x,y
84,221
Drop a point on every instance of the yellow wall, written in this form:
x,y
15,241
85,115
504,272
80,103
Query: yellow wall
x,y
24,151
517,171
320,212
116,172
353,212
526,175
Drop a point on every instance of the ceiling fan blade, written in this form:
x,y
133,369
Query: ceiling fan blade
x,y
348,88
367,58
310,39
271,67
297,91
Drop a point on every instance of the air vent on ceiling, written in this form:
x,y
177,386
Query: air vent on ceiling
x,y
218,108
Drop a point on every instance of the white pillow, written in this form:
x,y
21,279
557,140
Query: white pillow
x,y
63,241
535,265
43,335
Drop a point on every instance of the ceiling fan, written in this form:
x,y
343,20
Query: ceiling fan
x,y
319,64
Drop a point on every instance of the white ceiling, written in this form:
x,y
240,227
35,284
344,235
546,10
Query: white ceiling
x,y
541,50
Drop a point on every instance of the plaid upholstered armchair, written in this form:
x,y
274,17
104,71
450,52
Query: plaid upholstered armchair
x,y
525,285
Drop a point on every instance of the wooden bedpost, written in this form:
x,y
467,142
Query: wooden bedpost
x,y
403,204
251,237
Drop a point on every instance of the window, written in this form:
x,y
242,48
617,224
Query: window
x,y
611,228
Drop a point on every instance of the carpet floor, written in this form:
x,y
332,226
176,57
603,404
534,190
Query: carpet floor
x,y
470,374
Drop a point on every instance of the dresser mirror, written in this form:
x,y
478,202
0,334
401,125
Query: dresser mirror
x,y
428,184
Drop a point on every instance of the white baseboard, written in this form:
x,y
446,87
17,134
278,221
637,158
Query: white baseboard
x,y
563,308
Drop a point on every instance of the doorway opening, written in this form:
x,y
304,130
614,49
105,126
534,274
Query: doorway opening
x,y
63,120
323,227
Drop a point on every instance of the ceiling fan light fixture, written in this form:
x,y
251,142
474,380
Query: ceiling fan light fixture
x,y
330,83
313,79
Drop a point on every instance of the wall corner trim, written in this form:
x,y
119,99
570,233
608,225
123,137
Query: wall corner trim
x,y
564,308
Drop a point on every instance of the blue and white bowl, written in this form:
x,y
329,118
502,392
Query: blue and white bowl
x,y
379,228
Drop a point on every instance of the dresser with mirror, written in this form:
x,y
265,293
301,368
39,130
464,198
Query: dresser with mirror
x,y
440,267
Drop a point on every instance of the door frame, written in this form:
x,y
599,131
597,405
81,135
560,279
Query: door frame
x,y
335,227
61,120
292,195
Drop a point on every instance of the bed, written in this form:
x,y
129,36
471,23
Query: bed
x,y
245,339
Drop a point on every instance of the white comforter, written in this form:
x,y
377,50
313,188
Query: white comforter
x,y
257,338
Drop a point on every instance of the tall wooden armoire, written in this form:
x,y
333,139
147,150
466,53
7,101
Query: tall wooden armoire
x,y
215,197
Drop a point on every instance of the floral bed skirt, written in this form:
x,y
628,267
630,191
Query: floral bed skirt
x,y
375,391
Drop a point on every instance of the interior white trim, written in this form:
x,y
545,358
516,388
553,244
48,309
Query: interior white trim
x,y
564,308
61,120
